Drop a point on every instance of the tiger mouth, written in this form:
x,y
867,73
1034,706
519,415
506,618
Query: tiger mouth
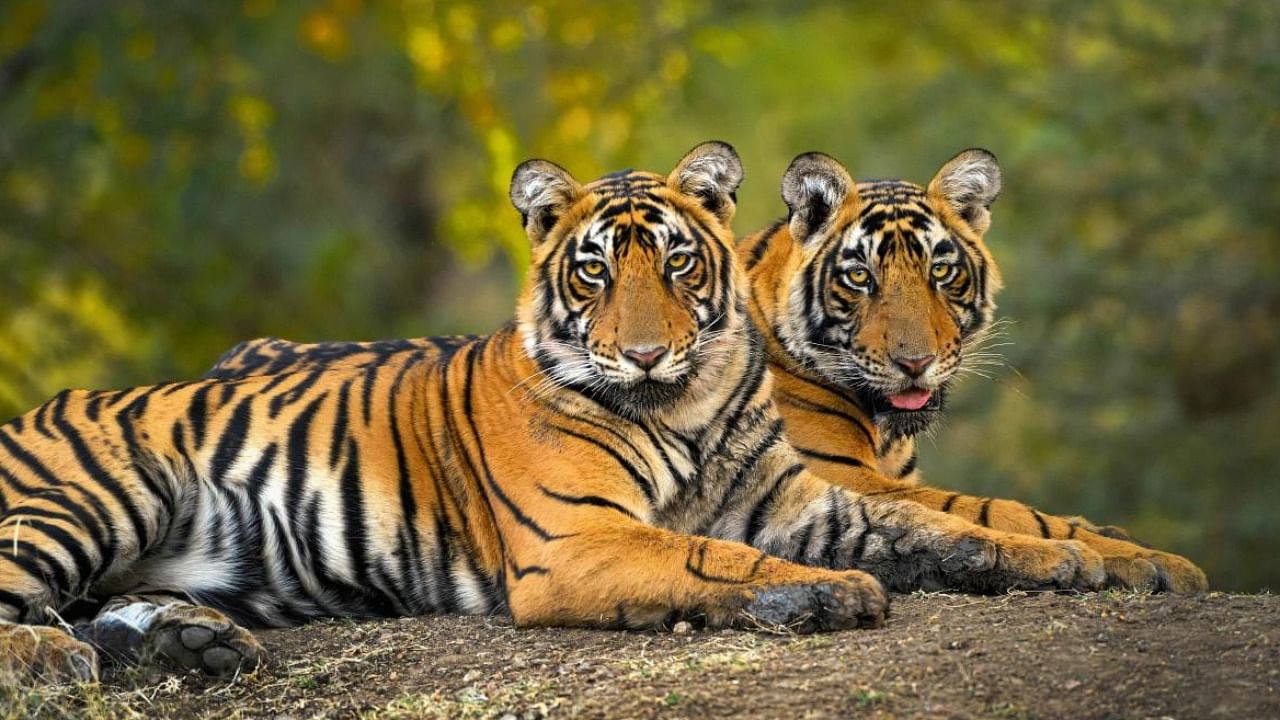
x,y
907,402
635,399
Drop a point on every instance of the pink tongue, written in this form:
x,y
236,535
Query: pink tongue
x,y
912,399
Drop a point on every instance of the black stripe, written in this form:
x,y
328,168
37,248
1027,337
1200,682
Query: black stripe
x,y
339,425
860,545
757,517
412,559
33,560
297,453
14,600
823,410
84,565
520,572
232,440
455,436
293,394
354,532
595,500
636,477
105,480
983,514
909,467
946,505
197,412
366,391
163,491
825,457
1044,527
258,475
469,414
698,572
762,244
41,423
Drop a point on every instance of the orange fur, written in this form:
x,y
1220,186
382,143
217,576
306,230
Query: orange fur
x,y
832,417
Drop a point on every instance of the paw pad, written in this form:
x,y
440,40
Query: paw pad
x,y
201,639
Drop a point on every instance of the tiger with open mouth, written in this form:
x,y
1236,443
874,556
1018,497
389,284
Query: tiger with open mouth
x,y
872,298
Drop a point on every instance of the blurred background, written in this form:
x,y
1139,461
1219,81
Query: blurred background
x,y
177,176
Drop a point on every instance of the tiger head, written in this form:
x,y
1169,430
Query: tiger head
x,y
631,289
889,282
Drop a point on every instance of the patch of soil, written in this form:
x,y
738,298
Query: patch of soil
x,y
1119,655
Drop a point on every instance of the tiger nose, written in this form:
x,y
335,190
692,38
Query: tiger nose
x,y
646,357
914,366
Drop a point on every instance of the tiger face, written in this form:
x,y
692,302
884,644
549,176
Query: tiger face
x,y
631,288
894,280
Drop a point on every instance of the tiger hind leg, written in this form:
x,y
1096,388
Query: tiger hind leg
x,y
170,631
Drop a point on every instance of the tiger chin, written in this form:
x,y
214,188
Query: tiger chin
x,y
873,297
474,475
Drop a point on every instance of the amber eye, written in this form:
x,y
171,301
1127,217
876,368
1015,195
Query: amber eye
x,y
592,269
859,276
679,261
941,271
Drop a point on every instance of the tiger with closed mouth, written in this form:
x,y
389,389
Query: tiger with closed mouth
x,y
872,298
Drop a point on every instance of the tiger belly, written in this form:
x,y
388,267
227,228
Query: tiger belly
x,y
268,559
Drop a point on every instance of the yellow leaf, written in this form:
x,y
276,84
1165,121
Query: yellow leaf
x,y
427,50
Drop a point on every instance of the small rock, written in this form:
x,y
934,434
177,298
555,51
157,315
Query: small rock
x,y
508,716
682,628
471,676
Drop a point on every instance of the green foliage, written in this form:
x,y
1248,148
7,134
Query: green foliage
x,y
177,176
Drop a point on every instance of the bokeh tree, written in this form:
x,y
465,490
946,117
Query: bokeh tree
x,y
177,176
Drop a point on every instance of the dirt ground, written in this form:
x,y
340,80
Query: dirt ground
x,y
1120,655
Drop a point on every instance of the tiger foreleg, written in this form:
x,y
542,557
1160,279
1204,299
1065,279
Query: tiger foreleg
x,y
906,546
643,577
165,630
1129,564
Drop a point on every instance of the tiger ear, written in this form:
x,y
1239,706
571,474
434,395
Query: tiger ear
x,y
969,183
711,173
542,191
814,187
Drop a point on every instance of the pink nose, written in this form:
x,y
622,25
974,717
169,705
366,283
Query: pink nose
x,y
645,357
914,366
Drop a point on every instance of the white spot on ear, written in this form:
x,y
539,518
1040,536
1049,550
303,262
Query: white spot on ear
x,y
823,185
970,180
537,191
708,173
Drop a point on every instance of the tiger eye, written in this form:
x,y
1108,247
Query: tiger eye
x,y
595,268
679,261
859,276
941,271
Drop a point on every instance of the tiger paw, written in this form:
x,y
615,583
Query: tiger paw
x,y
40,655
1155,572
201,638
1033,564
850,600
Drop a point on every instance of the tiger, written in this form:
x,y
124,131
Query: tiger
x,y
612,458
841,426
870,297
